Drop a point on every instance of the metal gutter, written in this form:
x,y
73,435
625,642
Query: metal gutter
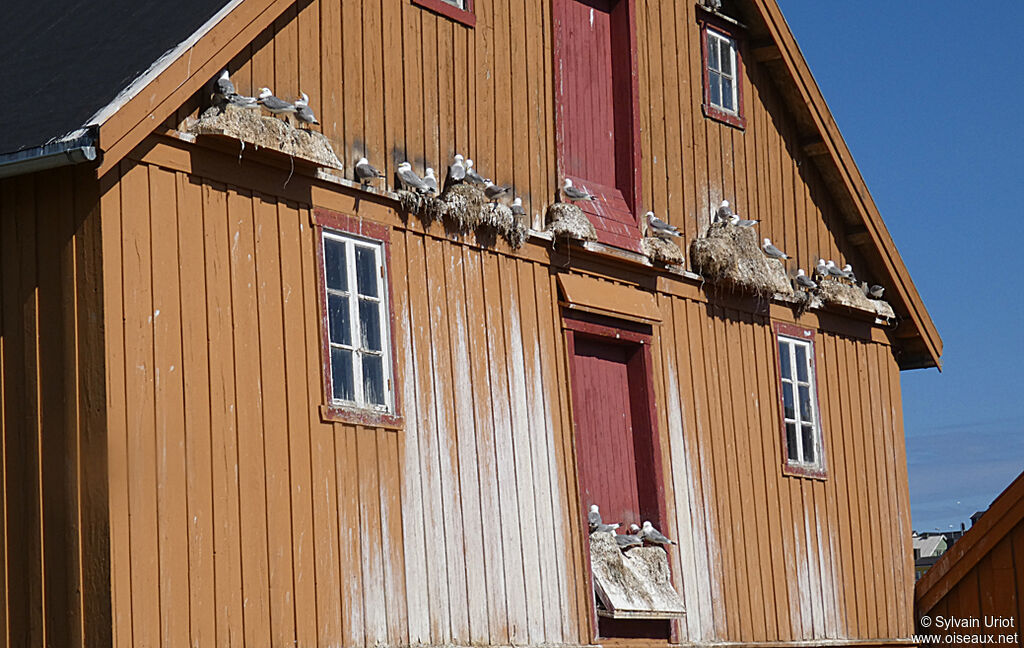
x,y
50,156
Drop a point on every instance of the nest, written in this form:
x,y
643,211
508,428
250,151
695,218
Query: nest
x,y
250,127
832,291
496,216
662,250
433,208
517,233
883,309
464,203
730,254
569,221
410,201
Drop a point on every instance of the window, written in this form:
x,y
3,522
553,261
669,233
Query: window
x,y
356,327
461,11
723,78
801,425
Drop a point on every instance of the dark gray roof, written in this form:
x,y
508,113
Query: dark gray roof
x,y
63,60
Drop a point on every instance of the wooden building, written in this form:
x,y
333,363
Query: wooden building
x,y
976,589
246,402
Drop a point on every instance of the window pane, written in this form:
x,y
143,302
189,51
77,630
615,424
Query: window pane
x,y
808,441
787,373
791,442
714,85
373,379
727,94
340,319
805,404
366,271
712,52
726,58
369,324
801,362
787,401
341,375
334,264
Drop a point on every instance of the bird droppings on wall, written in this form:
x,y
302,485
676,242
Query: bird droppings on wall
x,y
253,129
633,584
569,221
662,250
731,254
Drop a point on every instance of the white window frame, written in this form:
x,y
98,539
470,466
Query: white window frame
x,y
351,293
716,37
458,4
797,420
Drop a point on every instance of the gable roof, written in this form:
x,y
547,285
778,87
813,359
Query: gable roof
x,y
169,67
1005,515
67,60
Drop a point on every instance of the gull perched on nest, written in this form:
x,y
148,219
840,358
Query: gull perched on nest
x,y
472,175
875,291
366,172
430,181
517,207
804,281
834,271
773,251
652,535
495,192
629,540
410,180
457,170
303,111
660,228
724,213
573,194
223,86
595,522
821,268
848,271
742,222
275,105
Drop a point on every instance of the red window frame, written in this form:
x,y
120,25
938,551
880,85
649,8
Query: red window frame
x,y
465,16
578,325
738,120
782,329
329,410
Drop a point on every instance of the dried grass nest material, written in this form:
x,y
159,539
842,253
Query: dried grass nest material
x,y
731,254
662,250
465,203
569,221
832,291
410,201
250,127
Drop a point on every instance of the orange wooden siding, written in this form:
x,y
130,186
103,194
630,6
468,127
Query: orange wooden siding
x,y
458,527
434,87
54,579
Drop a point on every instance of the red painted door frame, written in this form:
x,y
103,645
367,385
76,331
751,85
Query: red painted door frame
x,y
644,416
612,228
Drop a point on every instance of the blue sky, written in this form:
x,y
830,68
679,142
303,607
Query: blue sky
x,y
929,96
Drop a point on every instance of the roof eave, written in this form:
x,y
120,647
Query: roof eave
x,y
839,155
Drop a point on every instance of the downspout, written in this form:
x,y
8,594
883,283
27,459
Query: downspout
x,y
58,154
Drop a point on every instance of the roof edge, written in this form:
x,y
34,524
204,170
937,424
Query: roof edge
x,y
157,68
842,158
148,100
81,148
1005,512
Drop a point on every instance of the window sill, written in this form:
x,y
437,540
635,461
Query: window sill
x,y
355,416
728,118
461,16
791,470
